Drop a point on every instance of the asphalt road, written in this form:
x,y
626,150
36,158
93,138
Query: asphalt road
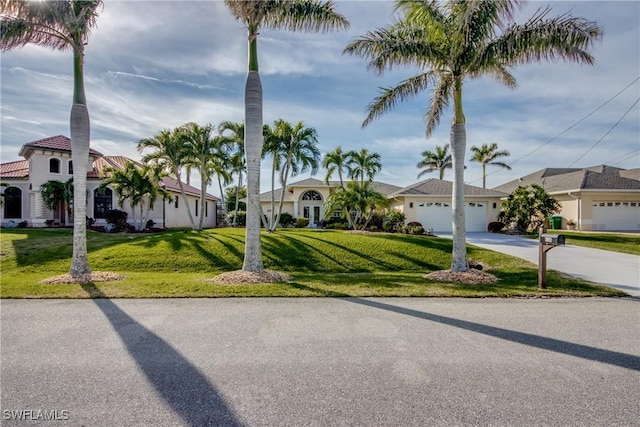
x,y
321,362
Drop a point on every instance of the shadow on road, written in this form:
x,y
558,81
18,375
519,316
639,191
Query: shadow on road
x,y
623,360
182,386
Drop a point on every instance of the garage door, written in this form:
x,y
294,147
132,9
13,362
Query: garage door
x,y
437,216
616,216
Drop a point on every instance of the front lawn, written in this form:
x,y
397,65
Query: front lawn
x,y
322,263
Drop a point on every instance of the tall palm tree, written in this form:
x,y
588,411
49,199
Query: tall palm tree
x,y
451,41
335,161
61,25
295,15
204,150
233,134
363,164
272,147
298,147
170,153
439,160
487,155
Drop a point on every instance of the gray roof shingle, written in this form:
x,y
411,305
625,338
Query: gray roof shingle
x,y
439,187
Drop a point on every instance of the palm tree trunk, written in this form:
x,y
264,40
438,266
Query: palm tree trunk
x,y
253,150
484,175
203,192
235,215
458,138
184,196
273,196
80,137
284,185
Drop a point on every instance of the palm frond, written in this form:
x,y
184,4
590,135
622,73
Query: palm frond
x,y
439,102
547,39
407,89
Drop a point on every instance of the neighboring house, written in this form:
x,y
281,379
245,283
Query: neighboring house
x,y
428,202
305,199
50,159
596,198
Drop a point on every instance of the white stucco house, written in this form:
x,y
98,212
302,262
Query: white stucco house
x,y
597,198
427,202
50,159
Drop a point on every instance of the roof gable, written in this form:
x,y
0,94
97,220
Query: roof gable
x,y
56,143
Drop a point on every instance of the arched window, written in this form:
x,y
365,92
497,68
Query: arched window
x,y
54,166
102,202
70,167
12,203
311,195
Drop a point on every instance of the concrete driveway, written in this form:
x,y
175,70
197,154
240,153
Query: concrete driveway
x,y
320,362
619,271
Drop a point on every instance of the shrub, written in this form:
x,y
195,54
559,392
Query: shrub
x,y
393,221
495,227
118,218
150,224
414,224
337,225
286,219
302,222
377,220
242,218
49,222
90,222
23,224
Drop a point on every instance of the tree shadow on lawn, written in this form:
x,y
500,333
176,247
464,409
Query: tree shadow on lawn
x,y
186,390
39,248
296,254
370,259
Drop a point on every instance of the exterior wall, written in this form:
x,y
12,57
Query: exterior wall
x,y
287,207
405,205
580,207
34,212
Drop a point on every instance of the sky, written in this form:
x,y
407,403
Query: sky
x,y
154,65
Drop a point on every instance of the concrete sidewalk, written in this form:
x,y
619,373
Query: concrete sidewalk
x,y
614,269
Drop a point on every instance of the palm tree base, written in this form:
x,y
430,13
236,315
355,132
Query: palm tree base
x,y
243,277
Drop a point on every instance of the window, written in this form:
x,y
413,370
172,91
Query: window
x,y
102,202
306,212
70,167
311,195
54,166
12,202
337,213
176,202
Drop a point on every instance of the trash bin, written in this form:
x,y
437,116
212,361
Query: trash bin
x,y
555,222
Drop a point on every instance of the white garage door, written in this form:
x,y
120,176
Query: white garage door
x,y
437,216
616,216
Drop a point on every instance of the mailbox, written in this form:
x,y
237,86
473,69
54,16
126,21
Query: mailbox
x,y
552,239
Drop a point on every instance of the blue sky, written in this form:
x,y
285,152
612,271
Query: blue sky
x,y
156,65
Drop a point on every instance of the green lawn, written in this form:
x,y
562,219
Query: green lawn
x,y
322,263
625,243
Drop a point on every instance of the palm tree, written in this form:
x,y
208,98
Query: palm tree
x,y
233,134
356,202
61,25
336,160
170,153
297,15
438,160
363,164
140,186
58,195
273,147
487,155
297,149
451,41
204,150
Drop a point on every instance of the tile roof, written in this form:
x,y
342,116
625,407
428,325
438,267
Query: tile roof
x,y
439,187
380,187
600,177
19,169
58,142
